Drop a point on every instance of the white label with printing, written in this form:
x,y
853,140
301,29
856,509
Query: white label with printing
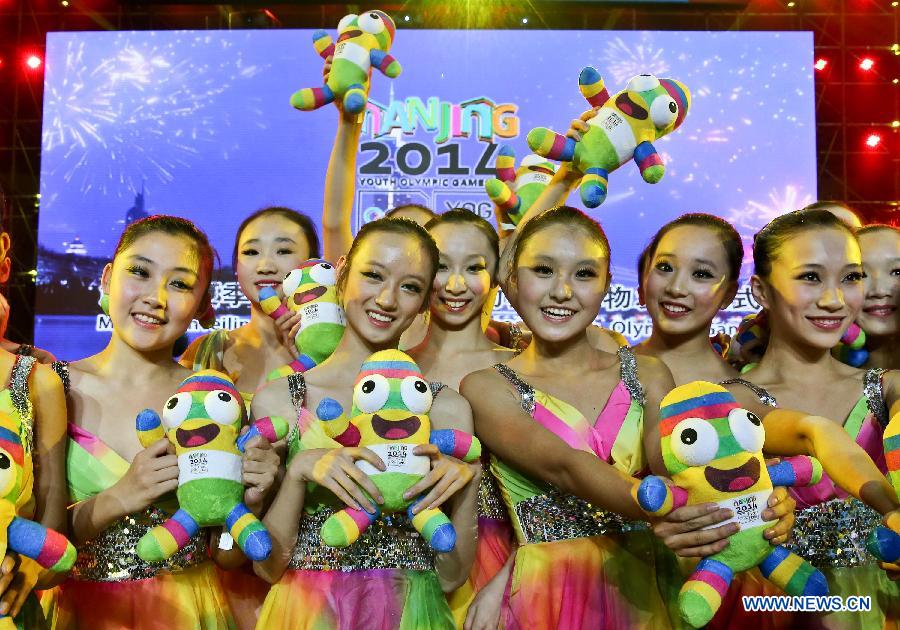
x,y
747,509
398,458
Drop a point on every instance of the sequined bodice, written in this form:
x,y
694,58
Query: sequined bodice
x,y
390,542
539,511
112,556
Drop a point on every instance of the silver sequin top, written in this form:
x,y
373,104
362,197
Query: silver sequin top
x,y
112,556
389,543
18,392
833,533
554,515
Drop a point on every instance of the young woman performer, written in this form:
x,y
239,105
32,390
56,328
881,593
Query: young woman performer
x,y
157,283
269,244
389,577
880,317
809,278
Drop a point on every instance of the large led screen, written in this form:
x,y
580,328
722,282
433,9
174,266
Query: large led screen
x,y
199,124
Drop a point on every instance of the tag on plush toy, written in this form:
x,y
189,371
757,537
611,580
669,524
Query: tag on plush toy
x,y
747,510
397,458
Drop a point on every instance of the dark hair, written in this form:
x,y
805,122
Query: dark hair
x,y
459,216
728,237
877,227
406,227
565,215
407,206
825,204
174,226
304,222
769,240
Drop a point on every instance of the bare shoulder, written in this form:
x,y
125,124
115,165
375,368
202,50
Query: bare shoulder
x,y
44,381
473,384
890,381
652,370
274,399
450,410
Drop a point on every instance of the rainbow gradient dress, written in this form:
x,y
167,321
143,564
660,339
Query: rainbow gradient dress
x,y
385,580
577,566
110,586
831,527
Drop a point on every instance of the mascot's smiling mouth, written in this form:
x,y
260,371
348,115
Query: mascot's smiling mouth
x,y
733,479
631,108
349,35
308,296
541,169
395,429
191,438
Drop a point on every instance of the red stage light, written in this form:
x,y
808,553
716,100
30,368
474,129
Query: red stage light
x,y
873,140
866,63
33,62
821,64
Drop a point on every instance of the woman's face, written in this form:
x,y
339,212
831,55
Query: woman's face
x,y
815,290
463,280
561,276
686,282
269,248
155,288
386,285
881,264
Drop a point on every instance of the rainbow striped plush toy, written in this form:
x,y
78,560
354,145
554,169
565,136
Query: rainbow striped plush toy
x,y
624,128
47,547
884,543
311,290
363,43
713,450
202,420
391,400
514,191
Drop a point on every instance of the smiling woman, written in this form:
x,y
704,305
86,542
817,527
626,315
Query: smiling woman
x,y
880,245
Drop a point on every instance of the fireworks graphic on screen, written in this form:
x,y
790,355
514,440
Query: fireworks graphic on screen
x,y
137,115
623,61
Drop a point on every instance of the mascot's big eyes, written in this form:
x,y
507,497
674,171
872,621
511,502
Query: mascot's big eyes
x,y
177,409
371,393
323,273
291,281
371,23
747,429
4,461
642,83
694,442
663,111
346,22
416,394
222,407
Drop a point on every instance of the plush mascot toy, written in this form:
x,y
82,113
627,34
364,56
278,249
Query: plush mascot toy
x,y
391,401
202,421
713,450
311,290
624,128
514,191
47,547
363,43
883,543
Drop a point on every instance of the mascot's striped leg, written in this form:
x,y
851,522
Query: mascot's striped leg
x,y
592,87
355,99
47,547
702,593
649,161
505,165
435,527
163,541
793,574
323,44
884,544
549,144
343,528
309,99
593,187
251,535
